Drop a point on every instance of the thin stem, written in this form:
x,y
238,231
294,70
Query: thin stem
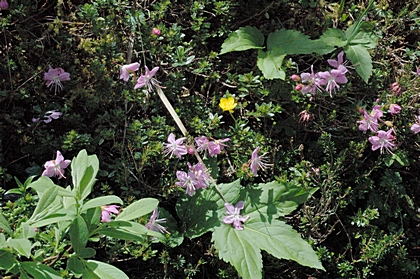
x,y
359,21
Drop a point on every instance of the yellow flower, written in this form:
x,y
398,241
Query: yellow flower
x,y
228,104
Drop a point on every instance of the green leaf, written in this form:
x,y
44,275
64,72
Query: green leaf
x,y
22,246
47,198
7,259
87,253
75,265
294,42
4,225
270,64
242,39
40,271
92,218
364,35
334,37
52,218
26,231
105,271
83,170
360,58
239,249
138,209
79,234
100,201
206,204
125,230
44,183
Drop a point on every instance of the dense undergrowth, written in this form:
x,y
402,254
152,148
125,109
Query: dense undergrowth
x,y
363,220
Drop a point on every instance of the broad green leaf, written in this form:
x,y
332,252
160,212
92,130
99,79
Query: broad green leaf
x,y
92,218
100,201
22,246
87,273
87,253
79,234
360,58
126,230
47,198
4,225
138,209
242,39
40,271
270,64
239,249
44,183
26,231
84,169
334,37
364,36
52,218
294,42
206,204
105,271
7,259
75,265
120,233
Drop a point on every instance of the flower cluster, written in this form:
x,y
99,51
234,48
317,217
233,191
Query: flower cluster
x,y
328,80
49,116
196,178
146,79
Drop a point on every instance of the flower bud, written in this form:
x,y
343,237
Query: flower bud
x,y
156,31
295,77
299,87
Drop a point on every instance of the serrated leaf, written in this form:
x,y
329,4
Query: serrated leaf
x,y
138,209
270,64
242,39
105,271
40,271
101,201
334,37
361,60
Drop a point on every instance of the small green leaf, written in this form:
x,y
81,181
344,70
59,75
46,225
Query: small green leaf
x,y
79,234
105,271
101,201
138,209
22,246
361,60
7,259
4,225
242,39
40,271
87,253
270,64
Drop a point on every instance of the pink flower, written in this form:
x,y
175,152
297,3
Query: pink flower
x,y
234,215
216,146
370,121
257,162
202,143
310,82
395,87
147,79
295,77
55,77
383,140
153,223
155,31
56,167
4,5
333,78
415,128
394,109
418,71
127,69
202,178
106,212
187,181
49,116
305,116
339,62
175,147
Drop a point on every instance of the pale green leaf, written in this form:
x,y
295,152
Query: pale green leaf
x,y
22,246
45,203
270,64
361,60
4,225
105,271
44,183
84,169
240,249
126,230
242,39
52,218
79,234
138,209
40,271
334,37
101,201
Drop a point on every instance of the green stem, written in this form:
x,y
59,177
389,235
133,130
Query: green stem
x,y
359,21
